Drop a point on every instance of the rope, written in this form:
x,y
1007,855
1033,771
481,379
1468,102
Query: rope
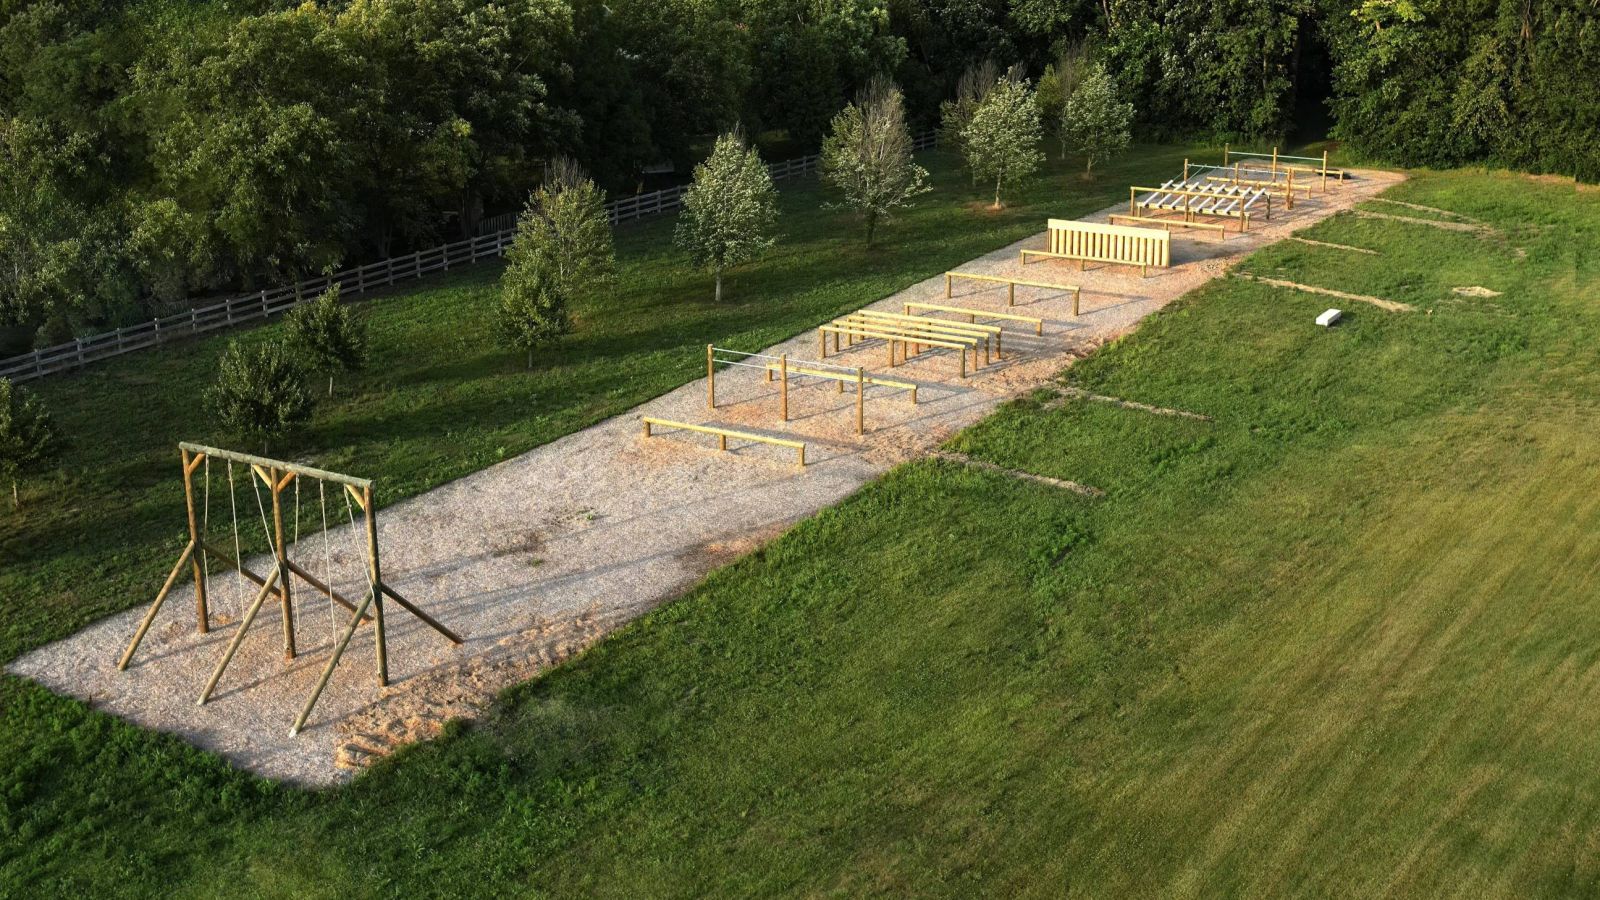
x,y
327,565
238,552
355,544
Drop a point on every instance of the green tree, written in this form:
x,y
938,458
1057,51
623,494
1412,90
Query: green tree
x,y
955,115
867,157
329,334
1001,142
1096,123
565,222
261,392
533,303
1057,85
730,209
28,438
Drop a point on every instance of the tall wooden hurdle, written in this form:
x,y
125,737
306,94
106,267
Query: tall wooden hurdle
x,y
784,371
276,475
1089,242
1279,162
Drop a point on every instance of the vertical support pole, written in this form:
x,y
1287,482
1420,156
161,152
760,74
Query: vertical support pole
x,y
1324,171
1274,160
783,376
711,378
646,427
1186,170
949,285
284,596
202,614
1132,202
1077,293
376,574
861,400
822,344
1011,293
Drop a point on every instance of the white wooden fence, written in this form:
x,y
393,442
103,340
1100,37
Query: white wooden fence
x,y
493,242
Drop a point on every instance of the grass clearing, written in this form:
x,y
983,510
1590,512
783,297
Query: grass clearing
x,y
1339,640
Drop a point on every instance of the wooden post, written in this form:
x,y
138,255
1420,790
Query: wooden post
x,y
783,376
149,617
238,636
1132,202
949,285
822,341
1290,182
861,400
1076,294
1011,293
1274,160
1324,171
1224,155
284,596
646,427
202,614
711,380
1186,170
376,574
333,661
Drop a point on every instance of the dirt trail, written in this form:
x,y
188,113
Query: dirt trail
x,y
537,558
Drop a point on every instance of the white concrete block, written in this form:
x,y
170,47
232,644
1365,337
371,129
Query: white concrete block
x,y
1329,317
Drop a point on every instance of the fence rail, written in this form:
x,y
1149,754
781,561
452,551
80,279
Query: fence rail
x,y
493,242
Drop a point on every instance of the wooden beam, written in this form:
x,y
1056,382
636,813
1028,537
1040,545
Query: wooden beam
x,y
202,612
161,597
238,638
428,620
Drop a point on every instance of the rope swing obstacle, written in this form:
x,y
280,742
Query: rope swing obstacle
x,y
277,476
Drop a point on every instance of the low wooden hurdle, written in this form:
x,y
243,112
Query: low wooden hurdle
x,y
723,434
973,314
1276,164
782,369
1011,286
276,475
941,327
1089,242
892,335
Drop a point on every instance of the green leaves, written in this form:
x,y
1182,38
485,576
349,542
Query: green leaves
x,y
533,303
1001,143
729,211
28,438
566,223
261,392
1094,122
330,335
867,158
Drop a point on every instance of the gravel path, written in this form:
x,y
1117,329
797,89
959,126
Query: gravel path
x,y
536,558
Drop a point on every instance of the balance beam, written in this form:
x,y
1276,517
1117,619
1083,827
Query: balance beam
x,y
724,433
1011,285
1037,323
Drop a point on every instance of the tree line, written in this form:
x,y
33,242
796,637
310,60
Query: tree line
x,y
154,150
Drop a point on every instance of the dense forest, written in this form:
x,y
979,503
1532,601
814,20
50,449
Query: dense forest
x,y
152,150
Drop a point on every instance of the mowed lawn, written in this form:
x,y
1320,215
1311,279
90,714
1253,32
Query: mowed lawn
x,y
1339,640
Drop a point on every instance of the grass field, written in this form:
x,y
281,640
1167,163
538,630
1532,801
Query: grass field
x,y
1338,641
